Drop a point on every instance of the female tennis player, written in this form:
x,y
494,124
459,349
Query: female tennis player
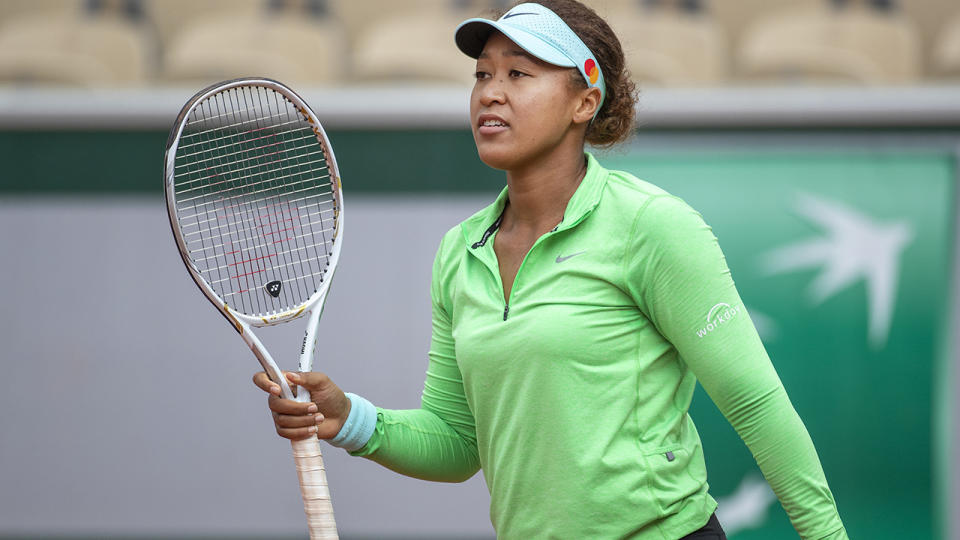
x,y
572,319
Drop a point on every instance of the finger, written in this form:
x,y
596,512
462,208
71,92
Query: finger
x,y
295,434
288,406
264,383
291,421
294,379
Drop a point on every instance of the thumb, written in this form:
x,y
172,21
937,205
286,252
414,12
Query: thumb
x,y
329,398
310,380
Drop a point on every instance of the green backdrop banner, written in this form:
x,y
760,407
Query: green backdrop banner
x,y
843,260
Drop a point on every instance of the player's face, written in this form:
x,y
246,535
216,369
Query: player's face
x,y
521,107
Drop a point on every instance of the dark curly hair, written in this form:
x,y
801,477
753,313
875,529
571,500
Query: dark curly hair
x,y
614,122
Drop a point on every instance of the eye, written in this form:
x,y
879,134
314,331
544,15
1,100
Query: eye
x,y
481,75
516,74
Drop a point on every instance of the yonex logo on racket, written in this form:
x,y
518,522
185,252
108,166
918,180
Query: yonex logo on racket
x,y
273,288
718,315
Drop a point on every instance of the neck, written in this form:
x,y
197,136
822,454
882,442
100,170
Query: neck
x,y
539,192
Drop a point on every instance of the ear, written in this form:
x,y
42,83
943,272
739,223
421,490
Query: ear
x,y
587,106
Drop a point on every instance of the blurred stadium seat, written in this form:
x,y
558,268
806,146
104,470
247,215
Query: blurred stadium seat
x,y
12,8
929,17
735,16
171,16
606,8
68,45
849,44
672,44
946,51
358,17
415,47
285,43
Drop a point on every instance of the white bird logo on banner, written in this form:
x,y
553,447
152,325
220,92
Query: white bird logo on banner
x,y
854,247
747,507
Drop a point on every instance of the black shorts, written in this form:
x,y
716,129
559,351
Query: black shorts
x,y
710,531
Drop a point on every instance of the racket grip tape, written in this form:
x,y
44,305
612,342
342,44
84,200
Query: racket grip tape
x,y
313,487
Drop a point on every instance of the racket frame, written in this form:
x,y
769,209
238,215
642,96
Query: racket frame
x,y
306,452
313,306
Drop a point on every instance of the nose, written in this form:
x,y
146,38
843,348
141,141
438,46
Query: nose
x,y
491,91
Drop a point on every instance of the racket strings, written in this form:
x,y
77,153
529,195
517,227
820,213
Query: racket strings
x,y
255,200
307,137
237,213
220,136
252,250
269,141
248,252
275,267
270,183
290,221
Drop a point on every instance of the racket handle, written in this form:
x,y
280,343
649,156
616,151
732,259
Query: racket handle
x,y
313,487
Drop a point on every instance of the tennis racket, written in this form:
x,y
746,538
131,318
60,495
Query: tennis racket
x,y
255,204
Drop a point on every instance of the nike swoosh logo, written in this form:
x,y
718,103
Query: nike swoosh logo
x,y
508,15
561,258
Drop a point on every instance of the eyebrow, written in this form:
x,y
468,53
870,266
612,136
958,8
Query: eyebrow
x,y
511,52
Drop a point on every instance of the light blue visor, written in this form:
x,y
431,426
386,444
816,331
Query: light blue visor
x,y
540,32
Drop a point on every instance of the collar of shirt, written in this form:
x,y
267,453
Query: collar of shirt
x,y
479,227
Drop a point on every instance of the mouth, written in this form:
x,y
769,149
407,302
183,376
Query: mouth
x,y
489,124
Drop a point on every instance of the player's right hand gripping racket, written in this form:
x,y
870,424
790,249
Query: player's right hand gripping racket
x,y
255,203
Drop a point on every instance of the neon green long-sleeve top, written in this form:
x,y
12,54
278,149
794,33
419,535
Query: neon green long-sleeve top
x,y
572,395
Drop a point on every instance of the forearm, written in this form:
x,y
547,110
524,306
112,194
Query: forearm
x,y
418,443
738,376
784,451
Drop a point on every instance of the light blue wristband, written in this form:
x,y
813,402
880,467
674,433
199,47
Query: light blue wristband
x,y
359,427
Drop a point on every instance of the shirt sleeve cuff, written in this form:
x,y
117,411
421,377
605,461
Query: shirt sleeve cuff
x,y
359,427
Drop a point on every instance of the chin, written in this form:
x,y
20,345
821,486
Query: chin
x,y
502,157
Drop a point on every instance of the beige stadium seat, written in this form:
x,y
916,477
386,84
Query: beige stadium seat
x,y
294,49
946,50
931,18
359,16
70,49
853,45
15,8
737,15
607,7
171,16
413,48
665,48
